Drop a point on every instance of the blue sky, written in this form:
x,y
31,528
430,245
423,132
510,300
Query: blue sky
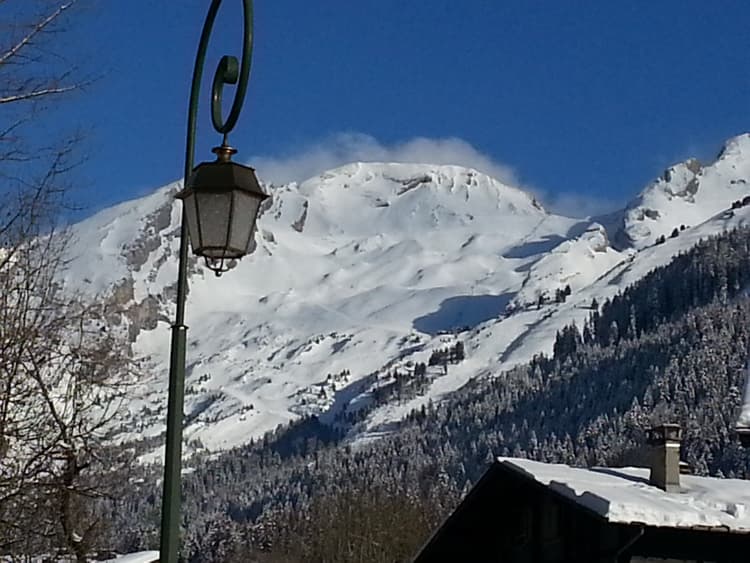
x,y
583,102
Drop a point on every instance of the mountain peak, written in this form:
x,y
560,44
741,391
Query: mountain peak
x,y
735,147
688,193
403,177
382,197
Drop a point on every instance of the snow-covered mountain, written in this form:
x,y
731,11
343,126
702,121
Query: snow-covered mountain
x,y
688,193
368,269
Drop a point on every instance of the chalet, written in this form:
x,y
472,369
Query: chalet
x,y
526,511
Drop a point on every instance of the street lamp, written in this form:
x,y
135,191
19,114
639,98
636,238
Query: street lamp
x,y
221,200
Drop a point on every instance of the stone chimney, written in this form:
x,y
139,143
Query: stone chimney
x,y
665,456
744,434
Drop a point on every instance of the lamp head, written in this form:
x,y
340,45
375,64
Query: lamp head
x,y
222,200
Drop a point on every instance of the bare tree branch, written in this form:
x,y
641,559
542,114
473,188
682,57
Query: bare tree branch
x,y
38,94
61,378
38,28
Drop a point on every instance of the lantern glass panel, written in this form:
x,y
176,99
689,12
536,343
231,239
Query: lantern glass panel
x,y
243,220
191,215
214,216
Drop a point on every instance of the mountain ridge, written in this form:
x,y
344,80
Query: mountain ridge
x,y
367,270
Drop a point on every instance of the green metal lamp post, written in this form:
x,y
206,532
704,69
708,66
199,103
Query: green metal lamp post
x,y
221,200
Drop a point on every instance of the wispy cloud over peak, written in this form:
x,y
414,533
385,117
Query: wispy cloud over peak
x,y
336,150
343,148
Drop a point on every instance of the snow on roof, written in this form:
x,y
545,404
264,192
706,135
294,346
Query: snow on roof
x,y
140,557
623,495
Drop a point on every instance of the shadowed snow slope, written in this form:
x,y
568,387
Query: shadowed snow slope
x,y
368,269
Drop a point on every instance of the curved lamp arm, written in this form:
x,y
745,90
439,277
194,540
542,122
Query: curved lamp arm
x,y
229,71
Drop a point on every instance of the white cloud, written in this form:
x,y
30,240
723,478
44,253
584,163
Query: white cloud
x,y
343,148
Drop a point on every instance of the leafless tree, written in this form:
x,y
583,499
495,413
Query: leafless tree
x,y
63,370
